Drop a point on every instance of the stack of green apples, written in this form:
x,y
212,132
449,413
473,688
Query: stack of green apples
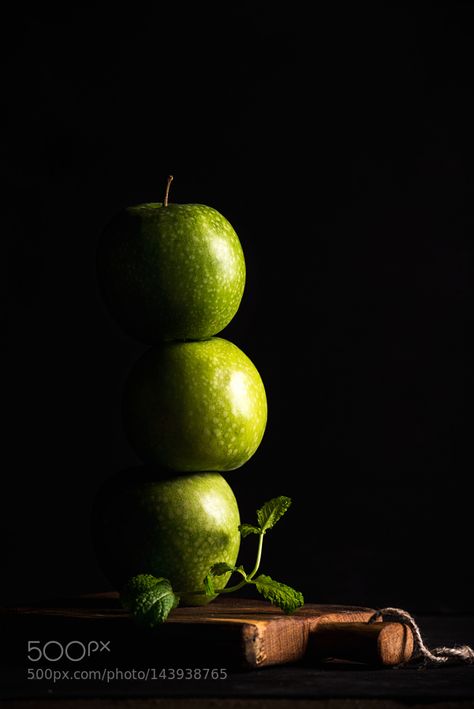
x,y
194,405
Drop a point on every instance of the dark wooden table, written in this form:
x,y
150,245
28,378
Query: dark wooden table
x,y
125,678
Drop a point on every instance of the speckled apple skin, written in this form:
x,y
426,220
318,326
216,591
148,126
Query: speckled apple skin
x,y
171,273
174,528
195,406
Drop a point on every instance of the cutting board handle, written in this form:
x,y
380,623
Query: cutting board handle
x,y
382,644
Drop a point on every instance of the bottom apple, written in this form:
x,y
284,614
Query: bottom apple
x,y
175,527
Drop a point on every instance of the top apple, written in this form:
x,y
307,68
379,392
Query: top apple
x,y
171,271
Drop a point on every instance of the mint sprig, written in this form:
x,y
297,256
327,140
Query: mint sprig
x,y
151,599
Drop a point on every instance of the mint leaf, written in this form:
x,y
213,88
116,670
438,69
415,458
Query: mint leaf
x,y
209,585
221,568
135,590
270,513
218,569
279,594
246,529
149,599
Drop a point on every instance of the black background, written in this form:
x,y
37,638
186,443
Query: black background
x,y
339,143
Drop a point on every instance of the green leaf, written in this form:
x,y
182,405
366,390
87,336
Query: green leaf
x,y
149,599
221,568
134,591
270,513
246,529
279,594
209,585
218,569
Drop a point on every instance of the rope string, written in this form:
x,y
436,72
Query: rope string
x,y
438,655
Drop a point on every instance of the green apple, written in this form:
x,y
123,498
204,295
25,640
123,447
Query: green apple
x,y
174,527
195,406
171,271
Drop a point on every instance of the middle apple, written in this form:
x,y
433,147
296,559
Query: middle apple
x,y
195,406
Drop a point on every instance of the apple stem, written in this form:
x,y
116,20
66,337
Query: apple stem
x,y
168,184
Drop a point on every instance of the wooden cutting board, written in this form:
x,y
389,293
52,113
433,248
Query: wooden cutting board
x,y
231,632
